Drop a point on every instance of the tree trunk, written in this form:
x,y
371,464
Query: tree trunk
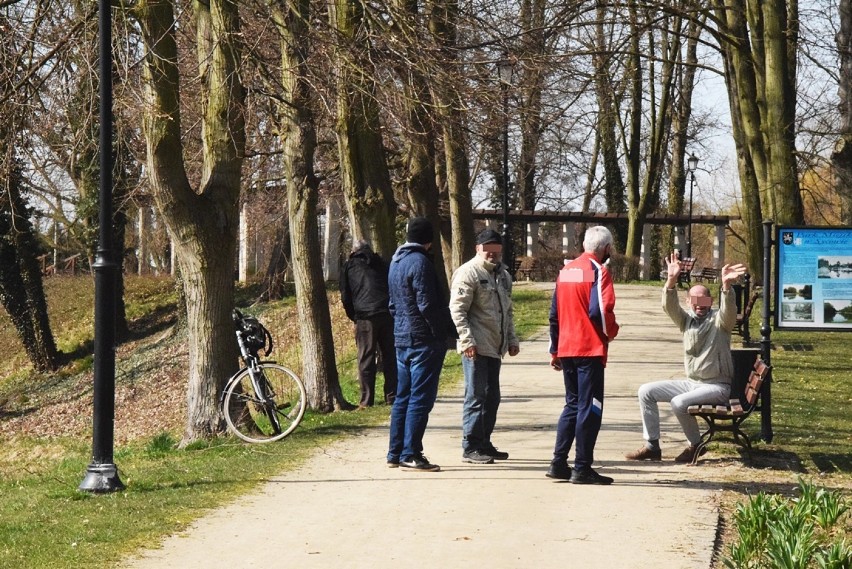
x,y
757,40
364,171
299,142
532,56
842,156
614,192
779,125
21,290
460,246
682,113
203,224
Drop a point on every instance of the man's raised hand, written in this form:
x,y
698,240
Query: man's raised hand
x,y
673,266
731,273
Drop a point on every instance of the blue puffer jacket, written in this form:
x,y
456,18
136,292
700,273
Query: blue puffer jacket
x,y
421,314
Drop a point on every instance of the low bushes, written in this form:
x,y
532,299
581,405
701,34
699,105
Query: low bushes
x,y
808,531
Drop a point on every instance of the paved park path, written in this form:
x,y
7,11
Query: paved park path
x,y
345,509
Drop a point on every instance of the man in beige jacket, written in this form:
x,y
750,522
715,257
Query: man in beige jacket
x,y
481,307
707,360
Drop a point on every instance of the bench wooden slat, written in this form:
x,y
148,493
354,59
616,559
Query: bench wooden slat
x,y
728,418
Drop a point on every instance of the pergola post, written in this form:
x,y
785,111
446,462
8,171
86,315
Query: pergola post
x,y
680,241
569,235
532,239
645,253
719,247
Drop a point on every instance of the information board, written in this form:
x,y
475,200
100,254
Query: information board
x,y
813,278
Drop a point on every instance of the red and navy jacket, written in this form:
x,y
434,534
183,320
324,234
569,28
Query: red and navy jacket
x,y
582,321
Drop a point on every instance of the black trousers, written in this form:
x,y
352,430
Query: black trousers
x,y
374,338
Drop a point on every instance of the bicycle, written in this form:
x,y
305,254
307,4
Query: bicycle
x,y
264,401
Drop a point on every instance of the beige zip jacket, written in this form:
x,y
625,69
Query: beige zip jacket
x,y
481,307
706,341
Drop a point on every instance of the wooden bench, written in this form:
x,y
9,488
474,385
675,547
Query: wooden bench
x,y
743,317
729,418
707,274
746,299
686,267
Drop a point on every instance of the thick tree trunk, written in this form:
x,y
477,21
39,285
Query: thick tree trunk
x,y
779,124
364,171
299,142
203,224
21,290
842,156
758,39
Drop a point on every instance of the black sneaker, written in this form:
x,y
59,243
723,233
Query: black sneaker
x,y
589,476
559,471
476,457
496,454
419,462
393,463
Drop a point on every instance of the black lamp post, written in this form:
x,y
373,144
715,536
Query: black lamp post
x,y
504,71
692,163
102,473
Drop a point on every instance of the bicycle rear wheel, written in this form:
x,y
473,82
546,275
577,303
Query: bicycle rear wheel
x,y
269,415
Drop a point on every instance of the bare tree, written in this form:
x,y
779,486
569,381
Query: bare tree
x,y
758,41
363,166
202,219
299,142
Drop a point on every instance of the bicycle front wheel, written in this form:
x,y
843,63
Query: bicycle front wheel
x,y
267,407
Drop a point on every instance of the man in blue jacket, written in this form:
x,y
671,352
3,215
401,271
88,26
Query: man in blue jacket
x,y
421,325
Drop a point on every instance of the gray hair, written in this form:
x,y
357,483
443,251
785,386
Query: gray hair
x,y
360,244
596,239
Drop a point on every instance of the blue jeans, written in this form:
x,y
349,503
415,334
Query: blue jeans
x,y
418,370
481,400
580,420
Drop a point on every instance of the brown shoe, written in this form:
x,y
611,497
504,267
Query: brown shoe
x,y
688,454
644,453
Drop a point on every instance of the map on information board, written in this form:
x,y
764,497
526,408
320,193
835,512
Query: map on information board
x,y
813,278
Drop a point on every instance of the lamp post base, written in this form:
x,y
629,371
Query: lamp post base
x,y
101,479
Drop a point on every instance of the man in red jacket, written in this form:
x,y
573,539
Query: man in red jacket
x,y
582,324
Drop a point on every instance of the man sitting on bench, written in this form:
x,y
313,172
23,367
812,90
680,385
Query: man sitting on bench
x,y
707,359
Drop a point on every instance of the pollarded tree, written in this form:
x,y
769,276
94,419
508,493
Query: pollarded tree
x,y
202,218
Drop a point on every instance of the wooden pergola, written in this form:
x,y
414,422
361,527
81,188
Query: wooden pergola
x,y
568,219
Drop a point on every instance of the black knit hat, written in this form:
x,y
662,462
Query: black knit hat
x,y
420,231
488,236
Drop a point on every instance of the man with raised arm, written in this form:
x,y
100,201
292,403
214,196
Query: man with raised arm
x,y
707,360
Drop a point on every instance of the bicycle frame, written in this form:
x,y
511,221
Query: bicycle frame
x,y
252,363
